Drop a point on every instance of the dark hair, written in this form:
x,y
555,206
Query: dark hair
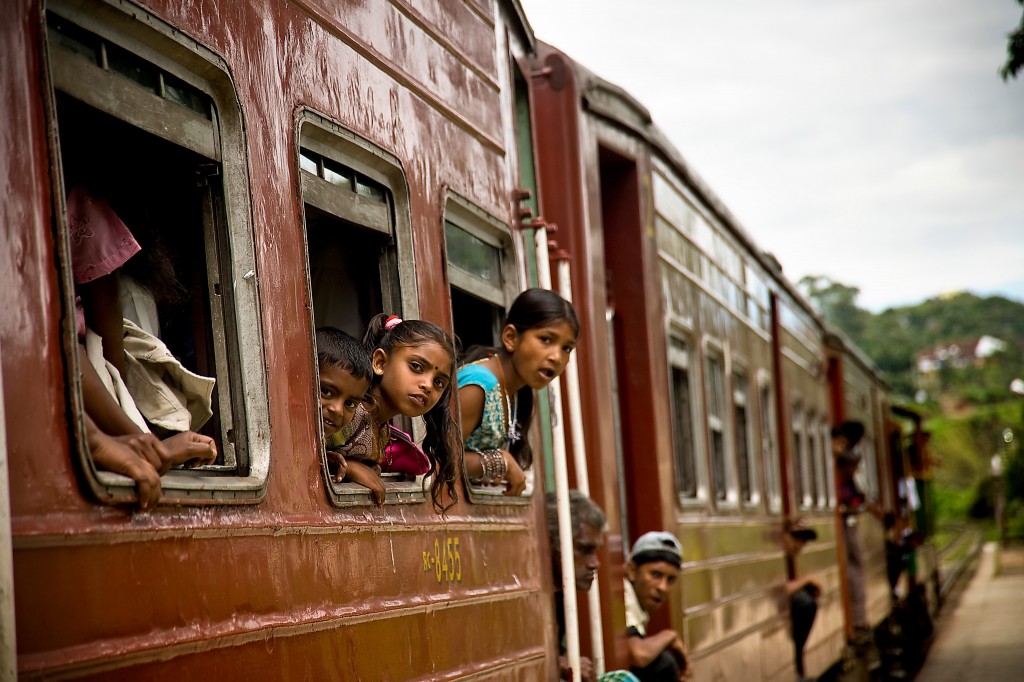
x,y
582,510
335,348
852,431
534,308
442,443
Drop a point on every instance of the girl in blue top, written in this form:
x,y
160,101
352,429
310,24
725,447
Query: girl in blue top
x,y
496,391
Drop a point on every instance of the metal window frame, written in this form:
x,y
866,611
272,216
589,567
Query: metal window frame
x,y
682,359
320,134
238,348
467,216
742,398
769,442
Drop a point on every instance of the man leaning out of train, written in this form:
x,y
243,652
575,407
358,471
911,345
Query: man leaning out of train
x,y
587,521
588,525
651,573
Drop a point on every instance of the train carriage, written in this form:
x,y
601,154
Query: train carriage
x,y
706,395
299,164
287,166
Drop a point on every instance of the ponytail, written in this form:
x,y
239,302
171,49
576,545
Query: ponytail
x,y
442,443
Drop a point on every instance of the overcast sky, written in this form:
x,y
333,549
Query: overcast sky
x,y
872,142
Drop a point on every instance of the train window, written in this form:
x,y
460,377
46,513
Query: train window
x,y
745,462
769,452
801,487
715,385
482,274
129,88
357,232
815,489
827,464
683,444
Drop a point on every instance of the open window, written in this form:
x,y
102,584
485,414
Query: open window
x,y
482,274
746,461
722,485
689,482
815,473
801,481
769,449
827,465
148,122
358,256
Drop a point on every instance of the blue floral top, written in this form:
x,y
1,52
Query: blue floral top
x,y
491,433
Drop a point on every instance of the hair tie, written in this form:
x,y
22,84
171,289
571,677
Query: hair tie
x,y
392,322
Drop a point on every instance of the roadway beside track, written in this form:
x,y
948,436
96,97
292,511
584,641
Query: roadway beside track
x,y
983,639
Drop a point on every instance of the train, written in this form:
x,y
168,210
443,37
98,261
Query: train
x,y
311,163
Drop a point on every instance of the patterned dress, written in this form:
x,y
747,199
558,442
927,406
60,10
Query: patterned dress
x,y
492,432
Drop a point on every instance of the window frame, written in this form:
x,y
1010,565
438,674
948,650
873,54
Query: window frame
x,y
238,348
715,350
682,358
319,134
769,442
800,479
467,216
741,398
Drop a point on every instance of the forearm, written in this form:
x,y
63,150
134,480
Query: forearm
x,y
99,404
473,463
102,303
643,650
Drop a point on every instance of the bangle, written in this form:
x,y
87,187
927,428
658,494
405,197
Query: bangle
x,y
493,467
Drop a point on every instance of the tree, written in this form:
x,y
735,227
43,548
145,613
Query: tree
x,y
837,303
1014,50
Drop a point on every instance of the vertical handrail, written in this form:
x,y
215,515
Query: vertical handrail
x,y
572,630
579,452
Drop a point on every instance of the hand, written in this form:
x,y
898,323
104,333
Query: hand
x,y
113,454
148,447
369,477
587,673
515,479
338,460
189,449
678,651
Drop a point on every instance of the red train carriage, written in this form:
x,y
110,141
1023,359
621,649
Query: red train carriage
x,y
298,164
706,400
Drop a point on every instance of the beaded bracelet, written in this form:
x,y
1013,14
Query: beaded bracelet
x,y
493,465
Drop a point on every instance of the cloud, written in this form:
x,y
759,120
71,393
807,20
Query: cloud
x,y
871,142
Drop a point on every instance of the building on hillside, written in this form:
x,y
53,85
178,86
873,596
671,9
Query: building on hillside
x,y
975,352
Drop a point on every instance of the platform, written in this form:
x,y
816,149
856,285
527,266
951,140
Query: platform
x,y
982,640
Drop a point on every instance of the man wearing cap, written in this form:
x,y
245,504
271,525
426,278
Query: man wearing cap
x,y
652,570
803,591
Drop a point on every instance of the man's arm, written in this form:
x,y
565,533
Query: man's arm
x,y
643,650
796,584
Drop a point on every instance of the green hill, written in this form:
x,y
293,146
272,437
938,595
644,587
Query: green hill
x,y
967,408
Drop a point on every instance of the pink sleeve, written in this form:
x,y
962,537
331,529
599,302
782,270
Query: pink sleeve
x,y
100,242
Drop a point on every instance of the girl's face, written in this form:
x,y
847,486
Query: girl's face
x,y
413,378
540,354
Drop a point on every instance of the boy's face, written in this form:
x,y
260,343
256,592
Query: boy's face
x,y
340,394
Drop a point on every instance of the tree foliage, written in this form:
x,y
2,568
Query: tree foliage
x,y
1014,50
895,336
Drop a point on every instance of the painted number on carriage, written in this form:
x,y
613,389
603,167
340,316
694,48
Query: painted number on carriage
x,y
444,560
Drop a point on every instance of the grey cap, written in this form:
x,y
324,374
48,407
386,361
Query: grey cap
x,y
657,546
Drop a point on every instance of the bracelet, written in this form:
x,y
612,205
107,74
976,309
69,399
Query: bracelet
x,y
493,466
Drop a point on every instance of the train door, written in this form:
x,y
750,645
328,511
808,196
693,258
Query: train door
x,y
622,232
